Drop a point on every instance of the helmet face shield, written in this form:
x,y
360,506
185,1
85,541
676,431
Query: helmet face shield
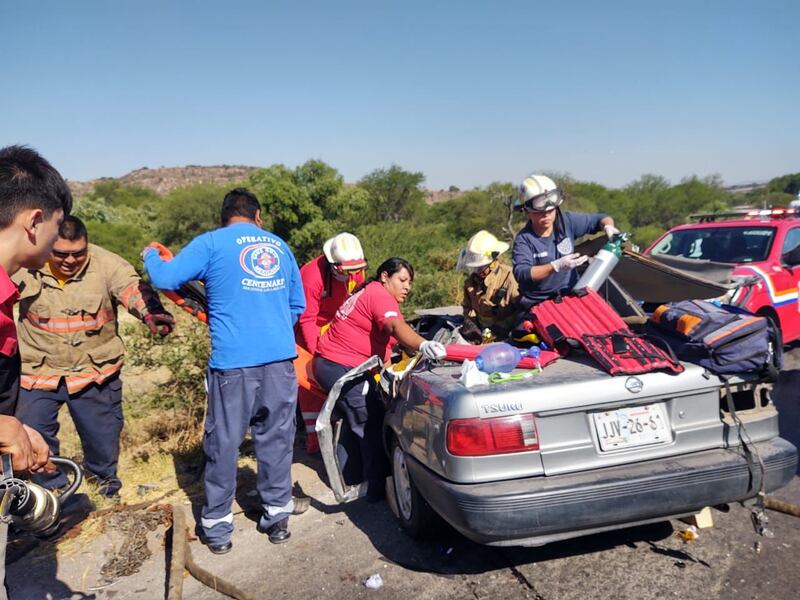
x,y
544,202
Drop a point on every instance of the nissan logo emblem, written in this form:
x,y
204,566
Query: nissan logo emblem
x,y
634,385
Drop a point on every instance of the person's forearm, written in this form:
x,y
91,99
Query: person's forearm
x,y
606,221
408,338
309,331
540,272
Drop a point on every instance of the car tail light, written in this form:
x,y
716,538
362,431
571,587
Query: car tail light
x,y
498,435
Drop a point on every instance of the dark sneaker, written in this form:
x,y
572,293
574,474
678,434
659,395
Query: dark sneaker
x,y
109,488
222,548
301,505
277,533
109,494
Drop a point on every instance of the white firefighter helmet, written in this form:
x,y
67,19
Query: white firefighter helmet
x,y
481,249
539,193
344,252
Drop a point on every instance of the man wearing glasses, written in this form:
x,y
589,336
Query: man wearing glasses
x,y
71,351
544,256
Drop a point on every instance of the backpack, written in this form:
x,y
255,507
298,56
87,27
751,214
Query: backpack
x,y
724,339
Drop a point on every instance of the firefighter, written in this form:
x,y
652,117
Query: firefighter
x,y
71,351
365,325
544,256
490,290
254,299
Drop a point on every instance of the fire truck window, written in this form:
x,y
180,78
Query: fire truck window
x,y
792,240
720,244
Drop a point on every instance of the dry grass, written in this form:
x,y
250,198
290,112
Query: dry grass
x,y
148,463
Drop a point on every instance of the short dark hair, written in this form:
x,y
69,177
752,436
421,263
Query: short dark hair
x,y
72,228
394,265
27,180
239,202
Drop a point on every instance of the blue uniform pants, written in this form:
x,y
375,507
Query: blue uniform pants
x,y
360,451
96,411
263,398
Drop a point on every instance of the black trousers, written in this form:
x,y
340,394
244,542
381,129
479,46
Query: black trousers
x,y
360,451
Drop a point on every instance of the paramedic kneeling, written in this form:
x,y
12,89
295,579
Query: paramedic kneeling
x,y
365,325
544,256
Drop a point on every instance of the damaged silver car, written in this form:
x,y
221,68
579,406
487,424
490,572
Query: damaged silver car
x,y
572,450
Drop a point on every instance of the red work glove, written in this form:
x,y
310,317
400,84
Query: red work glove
x,y
160,323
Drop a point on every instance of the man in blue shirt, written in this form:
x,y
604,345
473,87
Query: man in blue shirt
x,y
544,256
255,297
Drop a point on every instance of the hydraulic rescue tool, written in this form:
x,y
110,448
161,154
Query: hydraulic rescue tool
x,y
29,506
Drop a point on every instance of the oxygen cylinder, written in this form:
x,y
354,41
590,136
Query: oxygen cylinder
x,y
602,264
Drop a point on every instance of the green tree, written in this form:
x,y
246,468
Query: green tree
x,y
431,250
394,193
124,239
490,208
116,194
189,211
309,204
647,196
787,184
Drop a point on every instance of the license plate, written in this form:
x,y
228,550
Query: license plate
x,y
631,427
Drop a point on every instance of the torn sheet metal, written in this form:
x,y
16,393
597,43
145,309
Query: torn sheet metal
x,y
658,281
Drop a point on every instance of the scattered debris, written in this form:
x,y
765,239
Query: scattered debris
x,y
757,547
680,564
143,488
701,520
689,534
133,527
374,582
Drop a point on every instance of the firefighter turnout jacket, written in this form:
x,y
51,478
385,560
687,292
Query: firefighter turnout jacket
x,y
491,302
69,329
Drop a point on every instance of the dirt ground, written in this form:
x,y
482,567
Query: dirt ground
x,y
334,549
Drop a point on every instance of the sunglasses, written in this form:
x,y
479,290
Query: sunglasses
x,y
75,253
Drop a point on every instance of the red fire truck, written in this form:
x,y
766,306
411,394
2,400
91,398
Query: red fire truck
x,y
763,249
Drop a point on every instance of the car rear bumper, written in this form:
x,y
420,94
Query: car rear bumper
x,y
539,510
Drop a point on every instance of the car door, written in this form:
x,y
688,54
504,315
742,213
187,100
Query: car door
x,y
789,279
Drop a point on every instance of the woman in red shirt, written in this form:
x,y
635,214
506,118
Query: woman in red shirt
x,y
365,325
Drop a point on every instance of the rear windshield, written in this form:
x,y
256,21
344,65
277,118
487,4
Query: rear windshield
x,y
720,244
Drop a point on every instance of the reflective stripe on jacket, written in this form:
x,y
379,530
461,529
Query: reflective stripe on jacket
x,y
491,302
71,331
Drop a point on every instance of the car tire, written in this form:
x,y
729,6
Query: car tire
x,y
416,516
774,323
773,373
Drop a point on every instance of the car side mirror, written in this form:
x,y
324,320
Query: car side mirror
x,y
792,257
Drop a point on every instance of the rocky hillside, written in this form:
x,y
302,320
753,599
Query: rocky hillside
x,y
164,179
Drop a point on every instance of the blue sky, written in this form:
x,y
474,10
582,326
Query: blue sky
x,y
466,92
